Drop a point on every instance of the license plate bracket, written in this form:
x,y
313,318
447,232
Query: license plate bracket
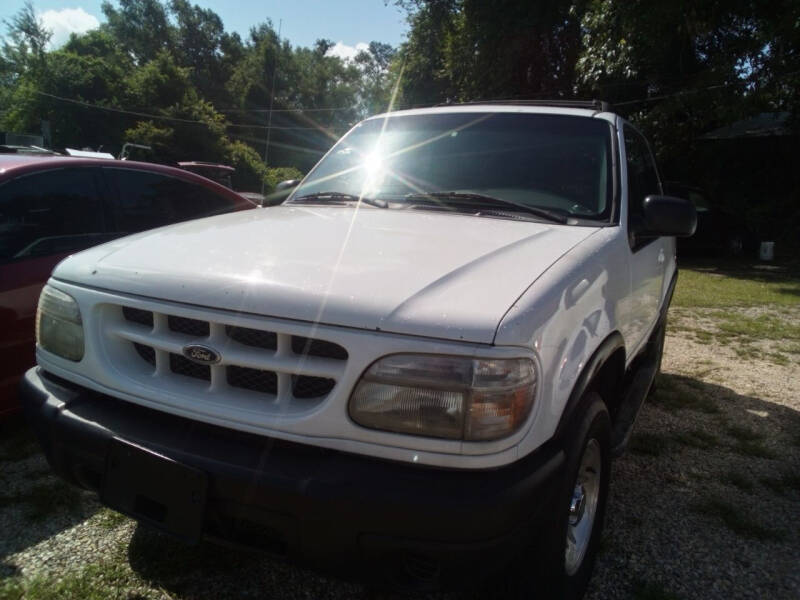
x,y
155,489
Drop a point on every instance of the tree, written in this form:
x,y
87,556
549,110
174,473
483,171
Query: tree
x,y
460,50
377,80
141,26
25,45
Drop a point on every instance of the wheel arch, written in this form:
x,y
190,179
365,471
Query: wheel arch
x,y
604,373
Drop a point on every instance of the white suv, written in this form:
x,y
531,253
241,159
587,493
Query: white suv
x,y
417,368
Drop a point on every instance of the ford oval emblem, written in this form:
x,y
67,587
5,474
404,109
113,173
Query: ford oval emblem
x,y
201,354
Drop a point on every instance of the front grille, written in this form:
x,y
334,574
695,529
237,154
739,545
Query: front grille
x,y
304,386
191,327
256,364
147,353
253,337
321,348
137,315
255,380
180,365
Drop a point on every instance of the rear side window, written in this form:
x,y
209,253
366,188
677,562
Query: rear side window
x,y
642,173
148,200
52,212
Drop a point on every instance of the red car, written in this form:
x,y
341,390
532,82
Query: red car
x,y
51,207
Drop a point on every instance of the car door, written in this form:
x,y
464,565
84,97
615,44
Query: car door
x,y
44,217
648,255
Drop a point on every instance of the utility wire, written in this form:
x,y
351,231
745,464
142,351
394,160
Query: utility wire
x,y
287,110
164,117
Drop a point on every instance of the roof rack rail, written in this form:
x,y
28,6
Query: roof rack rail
x,y
598,105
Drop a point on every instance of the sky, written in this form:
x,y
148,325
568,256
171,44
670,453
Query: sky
x,y
352,24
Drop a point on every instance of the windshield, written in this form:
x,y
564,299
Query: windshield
x,y
556,162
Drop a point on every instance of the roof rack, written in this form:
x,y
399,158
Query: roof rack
x,y
598,105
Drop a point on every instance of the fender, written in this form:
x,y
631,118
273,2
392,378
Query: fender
x,y
606,349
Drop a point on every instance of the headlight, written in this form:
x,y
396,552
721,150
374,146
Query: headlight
x,y
58,324
450,397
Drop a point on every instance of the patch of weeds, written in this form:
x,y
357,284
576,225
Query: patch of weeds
x,y
746,287
95,582
791,348
748,352
744,434
649,444
47,498
697,438
703,337
12,589
148,547
764,327
44,499
756,449
644,590
750,442
735,478
676,398
736,519
782,484
779,359
18,446
110,519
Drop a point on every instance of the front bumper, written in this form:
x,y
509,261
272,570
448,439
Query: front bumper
x,y
353,515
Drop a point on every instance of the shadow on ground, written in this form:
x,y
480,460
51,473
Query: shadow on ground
x,y
34,504
765,272
704,504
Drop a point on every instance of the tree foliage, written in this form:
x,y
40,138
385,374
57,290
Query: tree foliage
x,y
168,75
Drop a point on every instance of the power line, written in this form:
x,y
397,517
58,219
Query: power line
x,y
287,110
167,118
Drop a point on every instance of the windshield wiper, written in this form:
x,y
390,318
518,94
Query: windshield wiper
x,y
342,197
483,198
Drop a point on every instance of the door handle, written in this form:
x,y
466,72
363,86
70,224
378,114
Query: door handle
x,y
661,256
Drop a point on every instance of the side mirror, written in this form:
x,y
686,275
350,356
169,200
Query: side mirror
x,y
287,185
668,216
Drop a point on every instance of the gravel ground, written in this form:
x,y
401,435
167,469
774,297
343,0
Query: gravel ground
x,y
704,504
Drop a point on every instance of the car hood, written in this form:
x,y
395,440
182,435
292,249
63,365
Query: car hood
x,y
425,273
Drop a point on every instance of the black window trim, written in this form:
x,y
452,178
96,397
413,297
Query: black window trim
x,y
641,242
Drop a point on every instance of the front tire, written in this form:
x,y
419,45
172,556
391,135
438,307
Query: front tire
x,y
580,515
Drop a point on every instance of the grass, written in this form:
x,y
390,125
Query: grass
x,y
19,445
94,582
739,286
697,438
44,499
761,327
674,395
755,449
783,484
649,444
738,480
744,434
749,442
735,519
110,519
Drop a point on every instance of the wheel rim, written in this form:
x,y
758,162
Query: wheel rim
x,y
583,506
